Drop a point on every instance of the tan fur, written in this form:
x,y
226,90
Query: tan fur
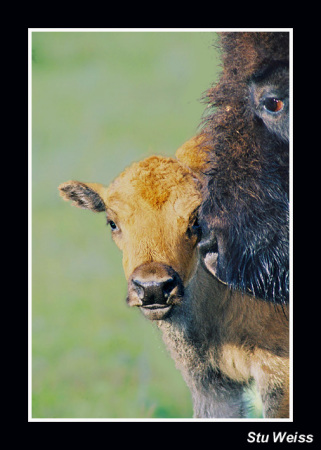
x,y
194,154
151,212
213,330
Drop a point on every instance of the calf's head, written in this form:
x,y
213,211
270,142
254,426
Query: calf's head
x,y
151,209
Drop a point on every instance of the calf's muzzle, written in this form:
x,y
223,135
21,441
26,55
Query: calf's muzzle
x,y
155,288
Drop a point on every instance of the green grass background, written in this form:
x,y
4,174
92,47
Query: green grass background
x,y
101,100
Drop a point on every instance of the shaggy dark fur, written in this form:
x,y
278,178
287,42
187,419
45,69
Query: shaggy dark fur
x,y
246,209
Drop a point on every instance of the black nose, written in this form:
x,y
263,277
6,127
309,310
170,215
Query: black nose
x,y
155,292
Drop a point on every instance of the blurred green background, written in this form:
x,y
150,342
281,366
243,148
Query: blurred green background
x,y
101,100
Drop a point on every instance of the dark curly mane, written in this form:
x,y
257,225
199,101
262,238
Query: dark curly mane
x,y
246,203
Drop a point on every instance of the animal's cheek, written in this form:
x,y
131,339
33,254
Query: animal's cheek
x,y
126,265
123,242
133,257
186,260
127,258
190,269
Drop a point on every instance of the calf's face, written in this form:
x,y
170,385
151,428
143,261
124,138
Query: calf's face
x,y
151,209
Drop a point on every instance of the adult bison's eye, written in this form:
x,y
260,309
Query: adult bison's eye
x,y
273,105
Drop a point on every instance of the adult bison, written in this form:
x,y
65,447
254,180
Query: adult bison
x,y
245,213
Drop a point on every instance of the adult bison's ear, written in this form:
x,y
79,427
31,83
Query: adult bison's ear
x,y
84,195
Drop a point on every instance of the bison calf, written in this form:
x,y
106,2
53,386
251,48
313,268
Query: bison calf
x,y
221,340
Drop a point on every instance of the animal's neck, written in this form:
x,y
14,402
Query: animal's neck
x,y
210,337
193,326
200,313
212,315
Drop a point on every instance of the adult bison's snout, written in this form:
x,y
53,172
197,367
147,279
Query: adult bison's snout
x,y
155,288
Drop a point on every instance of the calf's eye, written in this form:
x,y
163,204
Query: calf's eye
x,y
112,225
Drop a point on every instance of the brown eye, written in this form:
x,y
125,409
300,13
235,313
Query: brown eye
x,y
273,104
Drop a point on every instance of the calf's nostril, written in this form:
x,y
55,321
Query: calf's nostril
x,y
168,287
139,288
155,286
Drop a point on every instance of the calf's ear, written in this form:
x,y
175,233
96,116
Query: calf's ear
x,y
194,154
84,195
